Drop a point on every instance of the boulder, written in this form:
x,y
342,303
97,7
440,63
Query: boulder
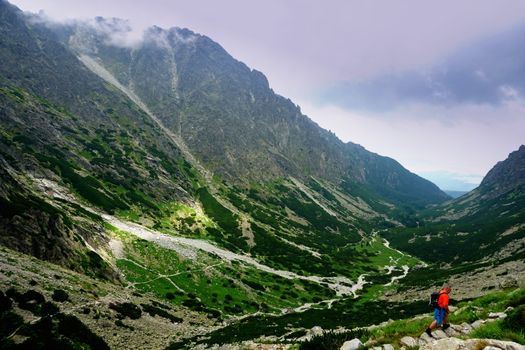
x,y
477,324
388,347
490,347
424,339
497,315
453,331
444,344
314,331
408,341
509,309
498,344
465,328
439,334
353,344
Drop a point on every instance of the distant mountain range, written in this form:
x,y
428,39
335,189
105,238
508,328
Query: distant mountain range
x,y
455,194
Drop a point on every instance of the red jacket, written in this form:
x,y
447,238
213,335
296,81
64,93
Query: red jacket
x,y
443,299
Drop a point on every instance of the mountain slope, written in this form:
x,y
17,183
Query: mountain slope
x,y
231,119
490,218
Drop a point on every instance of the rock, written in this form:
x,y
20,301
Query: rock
x,y
408,341
453,331
424,339
498,344
508,283
445,344
353,344
490,347
388,347
509,309
439,334
314,331
498,315
452,308
465,328
377,348
477,324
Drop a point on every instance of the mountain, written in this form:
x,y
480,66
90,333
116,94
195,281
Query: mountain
x,y
173,175
490,218
229,117
455,194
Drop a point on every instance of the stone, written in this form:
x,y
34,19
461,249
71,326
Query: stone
x,y
314,331
408,341
439,334
424,339
465,328
498,315
497,344
509,309
477,324
353,344
444,344
452,308
490,347
388,347
453,331
509,282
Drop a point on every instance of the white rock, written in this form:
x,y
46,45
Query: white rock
x,y
424,339
465,328
388,347
490,347
509,309
452,308
498,344
453,331
314,331
353,344
497,315
477,324
408,341
439,334
444,344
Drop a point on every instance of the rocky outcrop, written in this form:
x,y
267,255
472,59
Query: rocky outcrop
x,y
471,344
354,344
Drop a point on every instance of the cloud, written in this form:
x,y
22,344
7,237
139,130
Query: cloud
x,y
462,139
491,71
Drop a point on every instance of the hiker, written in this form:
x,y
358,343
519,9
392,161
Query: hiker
x,y
440,311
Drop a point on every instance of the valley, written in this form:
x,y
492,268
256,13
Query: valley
x,y
163,196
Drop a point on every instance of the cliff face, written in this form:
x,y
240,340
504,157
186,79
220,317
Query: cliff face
x,y
231,119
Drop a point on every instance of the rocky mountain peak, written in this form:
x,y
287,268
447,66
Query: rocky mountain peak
x,y
506,175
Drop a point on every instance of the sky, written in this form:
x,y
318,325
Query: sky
x,y
437,85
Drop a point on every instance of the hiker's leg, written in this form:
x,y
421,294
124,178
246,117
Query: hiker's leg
x,y
433,325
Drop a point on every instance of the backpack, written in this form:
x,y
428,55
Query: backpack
x,y
434,298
